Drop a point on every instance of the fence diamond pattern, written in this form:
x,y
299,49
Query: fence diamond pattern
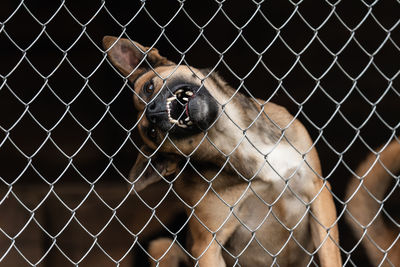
x,y
68,129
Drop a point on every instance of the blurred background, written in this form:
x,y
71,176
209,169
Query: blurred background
x,y
67,136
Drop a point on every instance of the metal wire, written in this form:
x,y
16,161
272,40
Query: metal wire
x,y
13,242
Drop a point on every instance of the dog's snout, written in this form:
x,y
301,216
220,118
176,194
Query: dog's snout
x,y
152,107
152,118
155,112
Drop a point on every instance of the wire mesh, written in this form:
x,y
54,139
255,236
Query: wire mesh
x,y
69,129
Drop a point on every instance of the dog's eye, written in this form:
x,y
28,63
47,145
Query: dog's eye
x,y
148,87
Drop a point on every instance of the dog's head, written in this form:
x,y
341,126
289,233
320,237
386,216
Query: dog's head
x,y
172,100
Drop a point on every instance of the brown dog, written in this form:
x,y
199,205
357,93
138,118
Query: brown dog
x,y
246,170
364,210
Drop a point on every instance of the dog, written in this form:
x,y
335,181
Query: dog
x,y
246,169
377,174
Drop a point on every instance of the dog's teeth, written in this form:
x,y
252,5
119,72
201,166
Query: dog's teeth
x,y
189,123
180,122
171,98
187,119
169,109
185,99
173,121
189,93
182,125
179,91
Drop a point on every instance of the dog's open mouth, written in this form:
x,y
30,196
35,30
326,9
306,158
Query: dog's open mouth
x,y
178,107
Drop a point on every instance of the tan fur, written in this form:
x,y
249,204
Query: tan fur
x,y
284,189
175,255
363,208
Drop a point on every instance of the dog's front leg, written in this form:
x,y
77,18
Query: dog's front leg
x,y
206,230
206,249
166,253
324,212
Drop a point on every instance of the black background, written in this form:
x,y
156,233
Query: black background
x,y
47,106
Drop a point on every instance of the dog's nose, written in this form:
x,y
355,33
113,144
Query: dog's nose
x,y
152,107
152,112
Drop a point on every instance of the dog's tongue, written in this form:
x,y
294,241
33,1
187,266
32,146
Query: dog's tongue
x,y
187,110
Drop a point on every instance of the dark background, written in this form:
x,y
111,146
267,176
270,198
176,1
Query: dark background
x,y
66,116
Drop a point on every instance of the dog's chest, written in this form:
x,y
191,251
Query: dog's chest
x,y
270,163
254,155
269,222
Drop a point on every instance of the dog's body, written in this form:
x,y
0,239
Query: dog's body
x,y
246,168
251,214
364,209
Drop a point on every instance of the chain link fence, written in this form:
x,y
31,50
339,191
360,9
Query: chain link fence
x,y
69,129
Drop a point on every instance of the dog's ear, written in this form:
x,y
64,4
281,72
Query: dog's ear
x,y
126,55
148,171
